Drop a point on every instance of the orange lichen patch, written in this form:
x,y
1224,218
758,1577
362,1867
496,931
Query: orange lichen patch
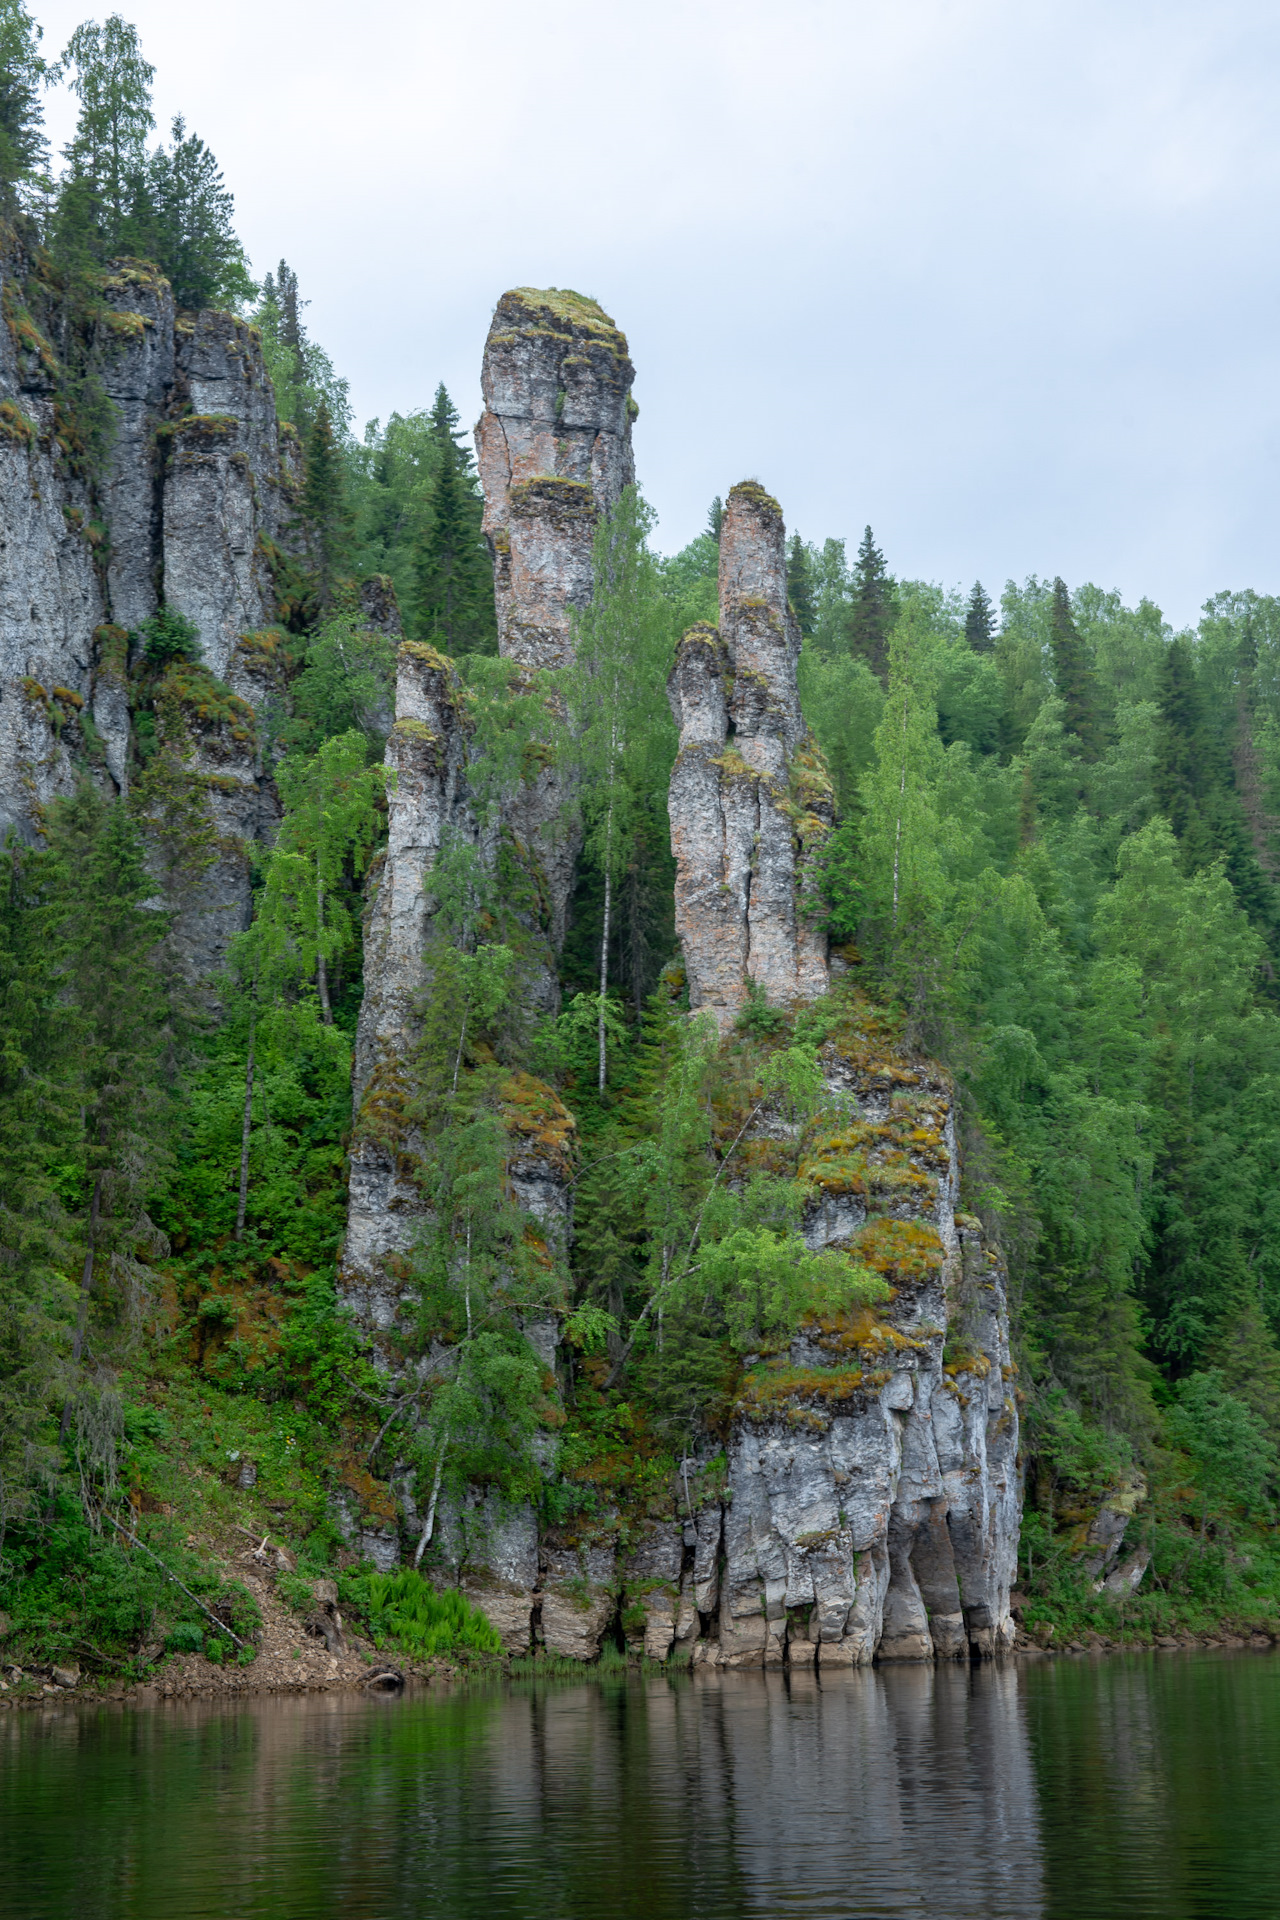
x,y
977,1365
375,1498
265,653
14,424
859,1331
900,1249
206,702
780,1388
539,1119
24,332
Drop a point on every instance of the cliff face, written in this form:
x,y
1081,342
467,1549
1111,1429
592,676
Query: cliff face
x,y
427,799
554,452
750,801
865,1501
196,487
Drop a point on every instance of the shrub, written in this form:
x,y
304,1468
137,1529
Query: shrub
x,y
169,635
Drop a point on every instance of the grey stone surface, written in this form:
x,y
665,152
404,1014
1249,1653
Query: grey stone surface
x,y
750,801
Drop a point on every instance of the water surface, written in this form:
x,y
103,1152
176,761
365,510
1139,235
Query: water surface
x,y
1135,1786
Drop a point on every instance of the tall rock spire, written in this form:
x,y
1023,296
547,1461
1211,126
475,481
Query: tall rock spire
x,y
554,451
553,447
750,799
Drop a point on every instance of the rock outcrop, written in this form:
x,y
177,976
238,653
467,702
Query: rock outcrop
x,y
194,493
554,453
750,800
867,1503
553,448
426,759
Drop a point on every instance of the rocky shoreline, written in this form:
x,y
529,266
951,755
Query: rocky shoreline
x,y
287,1663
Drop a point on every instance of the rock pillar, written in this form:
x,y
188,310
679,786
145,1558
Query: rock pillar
x,y
553,448
750,797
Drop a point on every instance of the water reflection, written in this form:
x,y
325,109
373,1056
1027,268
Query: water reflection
x,y
1130,1787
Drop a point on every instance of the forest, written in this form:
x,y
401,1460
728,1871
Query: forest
x,y
1055,869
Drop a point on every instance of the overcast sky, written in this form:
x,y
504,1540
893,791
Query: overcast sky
x,y
998,276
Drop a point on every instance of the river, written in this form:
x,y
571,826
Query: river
x,y
1135,1785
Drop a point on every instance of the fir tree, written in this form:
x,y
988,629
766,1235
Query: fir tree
x,y
180,217
980,620
870,616
715,519
22,143
800,586
1073,674
455,574
325,514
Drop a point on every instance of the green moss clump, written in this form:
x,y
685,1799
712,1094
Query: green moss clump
x,y
749,493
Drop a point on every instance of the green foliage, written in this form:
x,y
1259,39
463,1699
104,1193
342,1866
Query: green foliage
x,y
302,374
180,217
871,609
169,635
454,599
403,1610
346,685
1234,1459
325,513
624,742
107,152
22,71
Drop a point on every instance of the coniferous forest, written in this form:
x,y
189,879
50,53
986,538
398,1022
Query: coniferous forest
x,y
1054,869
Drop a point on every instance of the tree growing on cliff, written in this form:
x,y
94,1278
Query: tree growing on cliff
x,y
618,715
302,374
454,571
180,216
325,513
22,72
306,918
800,591
106,155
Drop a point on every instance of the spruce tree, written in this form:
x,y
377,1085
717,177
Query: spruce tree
x,y
180,217
455,573
1073,674
715,519
980,620
120,1037
871,611
800,586
22,142
326,516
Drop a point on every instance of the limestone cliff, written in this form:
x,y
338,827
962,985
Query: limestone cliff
x,y
864,1499
750,801
553,448
426,758
554,452
195,490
